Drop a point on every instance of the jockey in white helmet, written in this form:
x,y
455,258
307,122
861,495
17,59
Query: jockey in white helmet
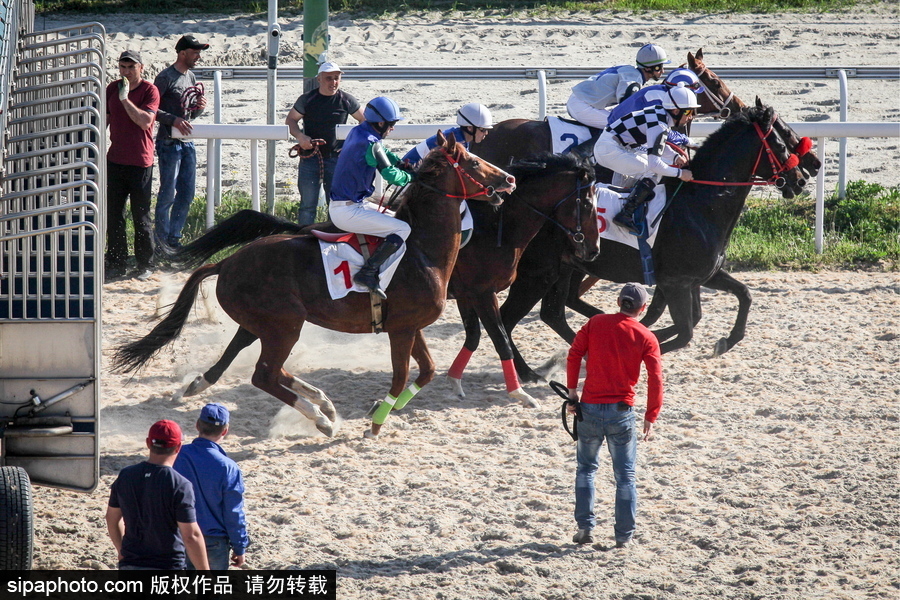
x,y
474,122
591,99
632,145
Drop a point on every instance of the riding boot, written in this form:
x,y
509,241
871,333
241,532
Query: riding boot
x,y
640,193
367,276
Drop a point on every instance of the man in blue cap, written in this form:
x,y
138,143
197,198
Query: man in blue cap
x,y
218,487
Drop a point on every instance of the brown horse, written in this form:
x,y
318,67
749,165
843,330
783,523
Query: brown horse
x,y
551,189
273,285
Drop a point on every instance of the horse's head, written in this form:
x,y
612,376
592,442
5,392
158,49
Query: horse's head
x,y
778,162
560,187
801,146
469,176
716,97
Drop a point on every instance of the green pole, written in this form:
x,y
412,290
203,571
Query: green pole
x,y
315,39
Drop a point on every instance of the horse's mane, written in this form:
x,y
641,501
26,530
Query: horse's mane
x,y
732,125
546,163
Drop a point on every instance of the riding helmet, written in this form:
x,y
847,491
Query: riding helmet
x,y
685,76
679,97
651,55
381,109
474,115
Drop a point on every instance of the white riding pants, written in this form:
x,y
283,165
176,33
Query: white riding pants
x,y
363,217
583,112
630,164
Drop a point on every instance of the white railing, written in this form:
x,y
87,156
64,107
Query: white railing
x,y
819,131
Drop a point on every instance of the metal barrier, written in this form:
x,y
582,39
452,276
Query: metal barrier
x,y
51,250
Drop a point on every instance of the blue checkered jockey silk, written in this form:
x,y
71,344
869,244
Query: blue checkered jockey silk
x,y
635,128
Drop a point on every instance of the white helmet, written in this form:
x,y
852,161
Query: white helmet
x,y
474,115
651,55
679,98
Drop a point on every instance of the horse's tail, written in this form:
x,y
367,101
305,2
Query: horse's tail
x,y
130,357
241,228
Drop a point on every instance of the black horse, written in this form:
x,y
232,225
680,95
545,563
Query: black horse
x,y
692,240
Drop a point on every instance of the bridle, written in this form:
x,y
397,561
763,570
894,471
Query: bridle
x,y
577,234
779,167
461,175
721,105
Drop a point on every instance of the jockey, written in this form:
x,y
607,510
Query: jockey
x,y
590,100
633,144
354,181
474,121
655,94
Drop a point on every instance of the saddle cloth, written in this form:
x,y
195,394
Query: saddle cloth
x,y
566,134
609,203
342,259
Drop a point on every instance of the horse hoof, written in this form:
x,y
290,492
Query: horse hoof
x,y
525,398
325,426
457,387
329,411
373,408
369,435
721,347
196,386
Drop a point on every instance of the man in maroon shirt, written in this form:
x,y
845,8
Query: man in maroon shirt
x,y
131,105
615,346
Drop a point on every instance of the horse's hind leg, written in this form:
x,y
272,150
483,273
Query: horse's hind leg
x,y
310,392
241,340
473,336
271,377
423,359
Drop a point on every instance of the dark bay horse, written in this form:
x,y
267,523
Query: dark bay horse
x,y
693,235
273,285
551,189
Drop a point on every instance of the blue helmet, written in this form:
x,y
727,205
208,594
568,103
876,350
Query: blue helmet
x,y
382,108
685,76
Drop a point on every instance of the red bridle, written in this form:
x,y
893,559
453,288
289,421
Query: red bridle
x,y
460,173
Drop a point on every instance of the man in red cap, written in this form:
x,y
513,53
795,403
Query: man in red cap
x,y
150,517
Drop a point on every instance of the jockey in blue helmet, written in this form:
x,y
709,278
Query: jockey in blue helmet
x,y
354,181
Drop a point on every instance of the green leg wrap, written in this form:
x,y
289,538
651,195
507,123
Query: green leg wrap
x,y
383,410
406,395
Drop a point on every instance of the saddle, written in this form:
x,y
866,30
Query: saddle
x,y
356,240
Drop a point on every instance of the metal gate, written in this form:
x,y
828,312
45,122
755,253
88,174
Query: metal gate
x,y
51,250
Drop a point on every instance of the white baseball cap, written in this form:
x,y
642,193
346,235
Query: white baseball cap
x,y
329,67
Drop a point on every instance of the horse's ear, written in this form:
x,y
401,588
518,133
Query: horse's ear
x,y
759,103
451,141
441,140
700,54
692,62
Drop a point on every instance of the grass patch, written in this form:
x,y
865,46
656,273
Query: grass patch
x,y
370,8
861,230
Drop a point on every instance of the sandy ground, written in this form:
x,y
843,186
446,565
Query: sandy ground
x,y
774,470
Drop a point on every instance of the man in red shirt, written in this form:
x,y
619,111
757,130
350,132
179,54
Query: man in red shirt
x,y
615,346
131,105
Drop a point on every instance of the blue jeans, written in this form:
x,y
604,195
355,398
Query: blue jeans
x,y
309,182
177,175
606,421
218,553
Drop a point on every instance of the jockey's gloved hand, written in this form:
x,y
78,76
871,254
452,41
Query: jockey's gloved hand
x,y
406,166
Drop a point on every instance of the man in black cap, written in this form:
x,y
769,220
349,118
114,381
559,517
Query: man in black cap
x,y
219,488
181,101
615,345
131,106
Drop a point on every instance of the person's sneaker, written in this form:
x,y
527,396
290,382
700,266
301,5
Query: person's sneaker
x,y
624,544
583,537
143,274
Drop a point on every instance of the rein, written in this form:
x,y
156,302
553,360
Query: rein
x,y
721,105
460,173
298,151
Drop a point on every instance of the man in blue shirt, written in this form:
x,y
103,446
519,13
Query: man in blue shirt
x,y
150,517
218,487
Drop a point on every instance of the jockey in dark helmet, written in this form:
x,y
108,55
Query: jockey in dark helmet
x,y
632,146
354,181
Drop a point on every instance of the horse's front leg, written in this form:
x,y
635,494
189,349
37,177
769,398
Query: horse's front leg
x,y
473,335
489,312
401,348
656,309
574,300
523,295
724,282
553,306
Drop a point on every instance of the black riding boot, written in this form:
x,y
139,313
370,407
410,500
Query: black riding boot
x,y
640,193
368,275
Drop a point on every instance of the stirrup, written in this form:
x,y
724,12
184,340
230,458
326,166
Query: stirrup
x,y
368,278
629,224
